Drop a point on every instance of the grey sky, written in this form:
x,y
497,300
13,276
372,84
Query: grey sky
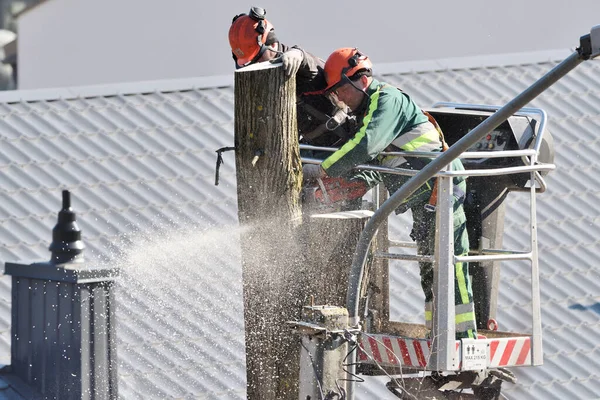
x,y
70,42
391,31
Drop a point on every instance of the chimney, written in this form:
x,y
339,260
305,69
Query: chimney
x,y
63,323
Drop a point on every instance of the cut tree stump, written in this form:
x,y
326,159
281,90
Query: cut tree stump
x,y
269,178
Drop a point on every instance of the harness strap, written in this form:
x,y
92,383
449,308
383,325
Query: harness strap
x,y
434,192
326,123
437,127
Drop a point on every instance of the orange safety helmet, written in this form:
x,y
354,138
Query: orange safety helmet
x,y
342,64
248,36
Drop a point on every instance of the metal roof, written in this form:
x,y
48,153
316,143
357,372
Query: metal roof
x,y
139,160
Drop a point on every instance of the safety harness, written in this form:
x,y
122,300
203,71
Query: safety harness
x,y
430,206
406,142
331,125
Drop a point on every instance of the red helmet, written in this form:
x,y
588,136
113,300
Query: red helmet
x,y
248,36
343,63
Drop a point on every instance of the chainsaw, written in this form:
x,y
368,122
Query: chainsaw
x,y
334,194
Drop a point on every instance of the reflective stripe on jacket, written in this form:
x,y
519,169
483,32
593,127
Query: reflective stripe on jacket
x,y
423,137
388,115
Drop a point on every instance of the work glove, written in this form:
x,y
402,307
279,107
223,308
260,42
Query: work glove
x,y
312,172
291,61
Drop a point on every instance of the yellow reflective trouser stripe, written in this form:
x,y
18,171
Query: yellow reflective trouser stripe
x,y
462,284
464,312
425,139
463,322
352,143
466,322
465,333
465,318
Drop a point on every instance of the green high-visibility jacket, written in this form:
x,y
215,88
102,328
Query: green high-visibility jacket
x,y
392,117
388,114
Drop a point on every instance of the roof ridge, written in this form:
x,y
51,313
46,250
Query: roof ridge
x,y
116,89
206,82
472,62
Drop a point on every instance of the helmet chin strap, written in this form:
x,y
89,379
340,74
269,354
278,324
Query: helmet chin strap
x,y
263,50
362,91
276,50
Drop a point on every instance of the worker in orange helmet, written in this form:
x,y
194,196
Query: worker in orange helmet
x,y
389,120
252,39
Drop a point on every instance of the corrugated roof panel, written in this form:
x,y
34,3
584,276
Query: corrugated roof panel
x,y
34,153
61,149
13,208
18,252
589,77
145,117
100,198
96,225
561,390
102,172
39,174
71,173
168,169
13,153
98,145
20,232
21,124
141,167
21,174
123,122
170,141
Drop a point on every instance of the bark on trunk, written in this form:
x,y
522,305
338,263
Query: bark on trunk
x,y
268,183
332,240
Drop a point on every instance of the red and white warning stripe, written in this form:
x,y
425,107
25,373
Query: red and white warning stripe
x,y
509,352
393,351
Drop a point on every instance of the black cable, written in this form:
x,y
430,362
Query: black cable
x,y
312,362
392,379
358,378
220,161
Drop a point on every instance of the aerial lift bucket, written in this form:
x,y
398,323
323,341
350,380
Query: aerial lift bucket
x,y
445,354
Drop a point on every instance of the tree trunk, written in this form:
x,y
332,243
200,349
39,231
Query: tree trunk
x,y
332,240
269,182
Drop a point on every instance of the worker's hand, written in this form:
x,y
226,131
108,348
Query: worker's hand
x,y
312,172
291,61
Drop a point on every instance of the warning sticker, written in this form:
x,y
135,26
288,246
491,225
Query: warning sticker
x,y
474,354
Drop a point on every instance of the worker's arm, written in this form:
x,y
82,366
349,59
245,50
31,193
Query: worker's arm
x,y
383,121
309,67
312,172
301,63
